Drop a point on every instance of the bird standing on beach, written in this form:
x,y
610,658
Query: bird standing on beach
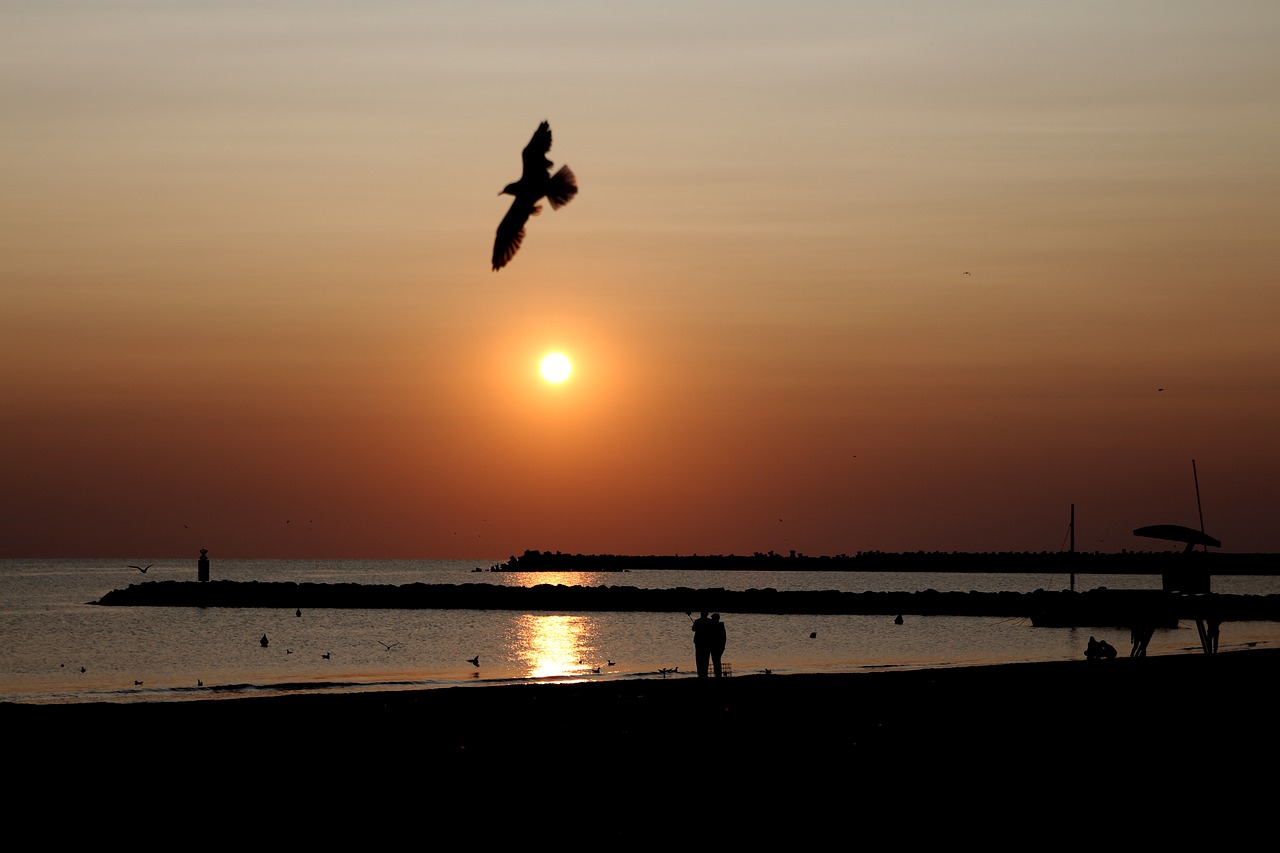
x,y
535,184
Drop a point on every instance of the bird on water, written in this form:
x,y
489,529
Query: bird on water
x,y
536,183
475,661
142,569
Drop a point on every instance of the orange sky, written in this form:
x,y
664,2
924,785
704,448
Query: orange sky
x,y
841,276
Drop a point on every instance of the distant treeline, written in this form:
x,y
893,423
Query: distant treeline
x,y
1063,562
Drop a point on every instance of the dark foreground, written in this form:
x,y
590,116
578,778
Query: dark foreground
x,y
1179,732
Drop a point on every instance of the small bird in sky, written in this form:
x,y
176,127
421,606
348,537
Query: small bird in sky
x,y
142,569
535,184
475,661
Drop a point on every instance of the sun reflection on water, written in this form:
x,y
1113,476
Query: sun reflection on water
x,y
554,646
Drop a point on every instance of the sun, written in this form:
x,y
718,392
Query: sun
x,y
555,367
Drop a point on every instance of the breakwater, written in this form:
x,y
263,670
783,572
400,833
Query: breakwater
x,y
1060,562
1094,607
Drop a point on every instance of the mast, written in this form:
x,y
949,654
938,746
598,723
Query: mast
x,y
1199,509
1072,558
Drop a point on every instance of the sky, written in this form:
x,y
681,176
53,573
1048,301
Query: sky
x,y
840,277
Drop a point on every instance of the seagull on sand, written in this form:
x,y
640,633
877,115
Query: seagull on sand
x,y
534,185
142,569
475,661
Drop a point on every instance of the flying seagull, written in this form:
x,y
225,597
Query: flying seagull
x,y
475,661
535,184
142,569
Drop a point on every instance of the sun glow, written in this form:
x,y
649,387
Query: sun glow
x,y
555,646
555,367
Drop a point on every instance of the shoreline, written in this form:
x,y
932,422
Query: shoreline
x,y
1090,745
915,712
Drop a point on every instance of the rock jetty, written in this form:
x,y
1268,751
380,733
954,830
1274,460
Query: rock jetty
x,y
1095,607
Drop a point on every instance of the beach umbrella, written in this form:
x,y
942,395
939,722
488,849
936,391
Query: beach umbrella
x,y
1178,533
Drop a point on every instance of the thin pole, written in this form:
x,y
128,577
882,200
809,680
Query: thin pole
x,y
1199,509
1073,547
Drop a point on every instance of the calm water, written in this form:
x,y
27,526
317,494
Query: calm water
x,y
56,646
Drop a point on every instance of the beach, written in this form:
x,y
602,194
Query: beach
x,y
1050,729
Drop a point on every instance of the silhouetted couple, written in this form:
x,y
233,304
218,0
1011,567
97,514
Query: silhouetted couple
x,y
709,639
1099,650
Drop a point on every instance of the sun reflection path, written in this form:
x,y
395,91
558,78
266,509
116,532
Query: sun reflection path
x,y
555,646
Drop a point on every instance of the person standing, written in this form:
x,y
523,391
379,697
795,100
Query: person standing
x,y
702,642
719,637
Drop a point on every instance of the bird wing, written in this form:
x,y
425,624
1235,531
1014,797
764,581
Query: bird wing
x,y
511,231
534,156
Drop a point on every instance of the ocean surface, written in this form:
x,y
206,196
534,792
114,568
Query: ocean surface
x,y
56,645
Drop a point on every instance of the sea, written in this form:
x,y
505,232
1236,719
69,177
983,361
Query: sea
x,y
57,645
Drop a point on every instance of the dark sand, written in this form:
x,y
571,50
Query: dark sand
x,y
1075,739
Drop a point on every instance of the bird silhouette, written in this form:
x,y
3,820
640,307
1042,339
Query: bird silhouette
x,y
388,646
199,683
898,619
136,683
611,663
535,183
263,642
326,655
813,636
142,569
596,670
475,661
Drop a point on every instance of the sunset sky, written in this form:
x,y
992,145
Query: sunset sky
x,y
841,276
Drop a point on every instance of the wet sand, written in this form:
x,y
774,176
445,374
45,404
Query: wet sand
x,y
1128,728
